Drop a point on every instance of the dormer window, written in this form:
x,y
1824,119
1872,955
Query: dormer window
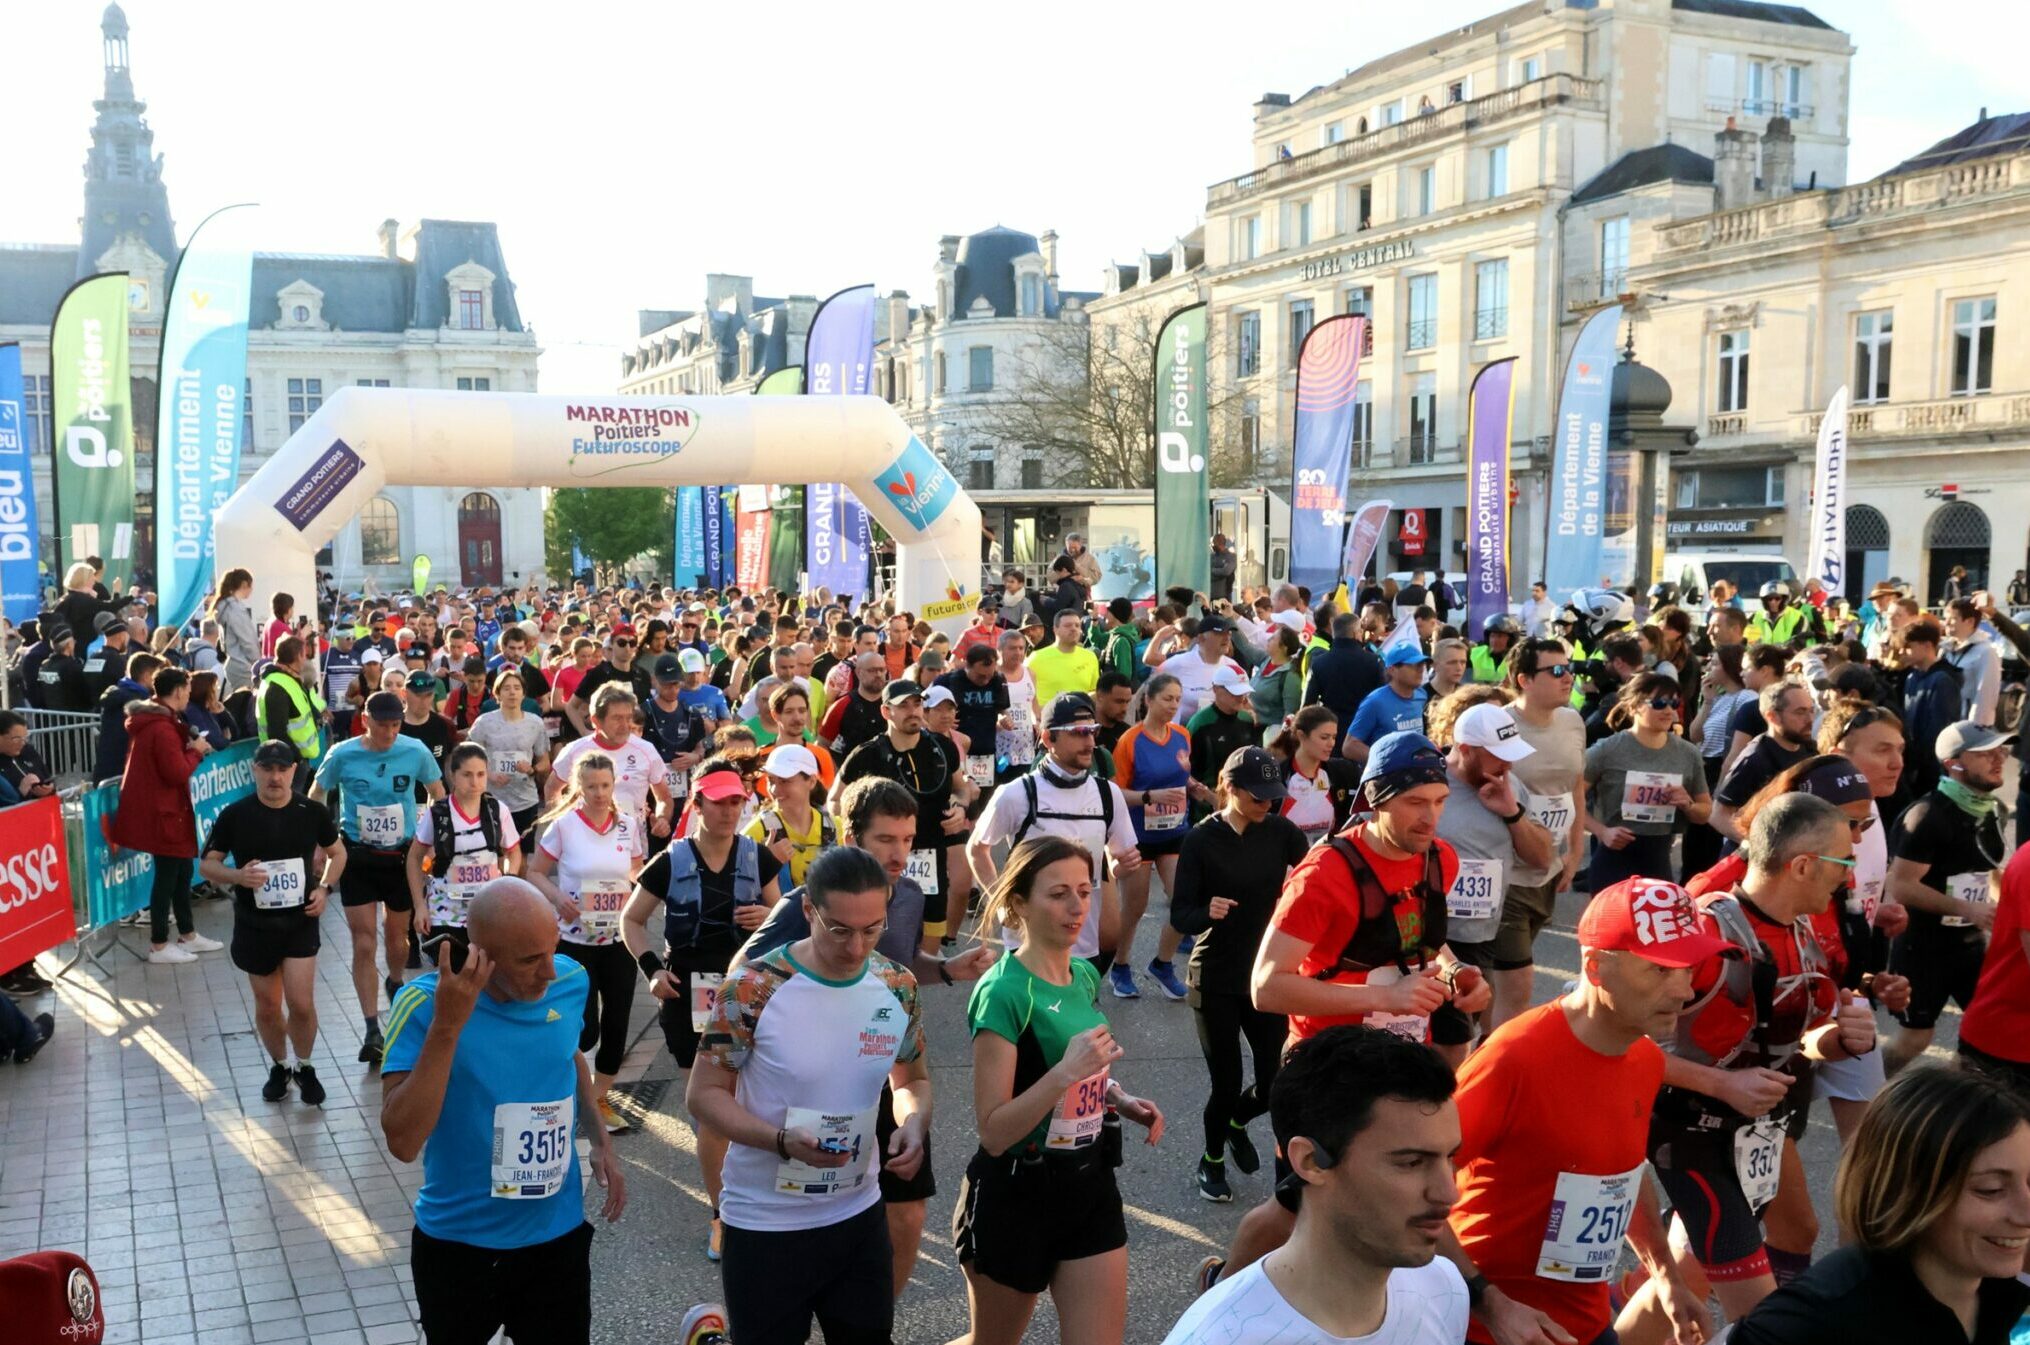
x,y
300,314
471,311
469,298
1032,295
300,305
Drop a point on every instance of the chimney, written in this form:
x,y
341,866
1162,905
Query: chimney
x,y
898,316
1049,242
1733,167
948,248
1779,159
390,231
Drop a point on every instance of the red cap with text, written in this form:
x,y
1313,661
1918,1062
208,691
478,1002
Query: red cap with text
x,y
51,1298
1654,919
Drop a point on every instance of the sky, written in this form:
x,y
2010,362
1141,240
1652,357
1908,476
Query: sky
x,y
627,149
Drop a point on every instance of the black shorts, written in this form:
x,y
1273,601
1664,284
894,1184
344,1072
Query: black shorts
x,y
1696,1170
1155,850
1942,965
525,823
371,876
1016,1221
261,952
541,1293
1450,1026
842,1274
900,1190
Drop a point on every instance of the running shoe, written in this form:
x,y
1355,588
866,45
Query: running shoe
x,y
309,1087
198,943
1184,946
170,954
614,1122
370,1049
46,1024
1212,1182
1207,1275
1165,976
704,1324
715,1241
393,987
277,1086
1122,982
23,986
1246,1157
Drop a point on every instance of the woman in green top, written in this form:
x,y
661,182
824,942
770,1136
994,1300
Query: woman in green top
x,y
1278,691
1039,1208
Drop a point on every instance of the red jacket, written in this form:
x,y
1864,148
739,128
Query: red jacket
x,y
155,814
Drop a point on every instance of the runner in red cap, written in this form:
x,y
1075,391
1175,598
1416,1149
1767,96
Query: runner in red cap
x,y
1548,1191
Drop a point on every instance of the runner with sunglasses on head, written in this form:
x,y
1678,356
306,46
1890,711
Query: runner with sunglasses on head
x,y
1646,780
1541,672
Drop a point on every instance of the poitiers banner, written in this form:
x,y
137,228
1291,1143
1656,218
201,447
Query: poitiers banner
x,y
1828,558
36,913
1328,378
1574,554
1361,539
1183,451
838,360
90,406
199,410
1490,409
712,500
690,550
20,537
121,879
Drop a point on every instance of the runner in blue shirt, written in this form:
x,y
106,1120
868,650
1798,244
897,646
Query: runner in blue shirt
x,y
376,778
1397,706
699,694
485,1080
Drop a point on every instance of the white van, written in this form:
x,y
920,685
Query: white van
x,y
1695,572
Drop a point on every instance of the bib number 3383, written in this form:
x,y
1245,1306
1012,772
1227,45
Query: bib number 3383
x,y
532,1149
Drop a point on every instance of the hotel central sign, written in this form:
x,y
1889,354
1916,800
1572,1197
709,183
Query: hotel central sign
x,y
1357,260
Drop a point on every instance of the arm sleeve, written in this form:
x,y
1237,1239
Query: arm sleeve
x,y
992,1010
1190,902
1124,758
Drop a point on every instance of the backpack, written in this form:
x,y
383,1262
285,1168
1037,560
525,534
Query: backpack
x,y
439,860
774,830
1032,812
1375,903
684,897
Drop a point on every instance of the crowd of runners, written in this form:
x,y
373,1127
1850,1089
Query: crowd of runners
x,y
794,818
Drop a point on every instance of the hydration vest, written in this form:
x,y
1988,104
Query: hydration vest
x,y
1385,921
684,898
440,856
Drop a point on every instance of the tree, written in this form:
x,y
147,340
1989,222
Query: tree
x,y
612,525
1084,394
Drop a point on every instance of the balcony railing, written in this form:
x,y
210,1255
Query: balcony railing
x,y
1364,455
1725,424
1760,107
1523,98
1490,324
1927,419
1423,334
1424,450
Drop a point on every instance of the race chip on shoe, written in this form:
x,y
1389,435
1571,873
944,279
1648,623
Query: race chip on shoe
x,y
50,1298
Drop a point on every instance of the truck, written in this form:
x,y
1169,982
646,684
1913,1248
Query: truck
x,y
1028,529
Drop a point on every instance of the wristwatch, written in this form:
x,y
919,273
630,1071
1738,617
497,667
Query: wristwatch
x,y
1515,817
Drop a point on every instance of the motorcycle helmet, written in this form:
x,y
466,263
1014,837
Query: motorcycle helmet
x,y
1503,625
1776,588
1604,607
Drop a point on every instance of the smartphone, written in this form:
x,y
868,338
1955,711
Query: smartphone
x,y
428,948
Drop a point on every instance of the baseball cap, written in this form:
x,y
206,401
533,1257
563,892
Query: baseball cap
x,y
1212,625
1399,762
58,634
1491,726
1067,708
790,759
52,1298
1400,654
721,784
900,690
276,752
938,696
668,667
385,706
371,654
1655,920
106,621
1837,780
688,660
1967,736
1257,772
423,682
1230,680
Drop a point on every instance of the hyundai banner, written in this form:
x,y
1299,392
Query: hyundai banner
x,y
1574,554
1827,559
198,411
1321,459
20,537
1490,410
1183,448
90,407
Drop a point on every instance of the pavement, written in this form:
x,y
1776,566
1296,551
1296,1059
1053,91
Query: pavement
x,y
139,1139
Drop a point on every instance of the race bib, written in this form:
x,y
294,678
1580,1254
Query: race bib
x,y
922,871
1756,1166
1476,893
1020,741
1080,1114
1411,1027
1162,816
1589,1219
507,763
1864,899
381,825
849,1133
1970,887
1553,812
680,782
704,997
285,888
980,770
599,904
1645,797
532,1149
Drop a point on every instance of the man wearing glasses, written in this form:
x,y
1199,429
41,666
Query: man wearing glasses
x,y
1787,711
1741,1058
618,666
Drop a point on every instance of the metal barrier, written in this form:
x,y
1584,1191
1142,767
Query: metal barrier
x,y
67,740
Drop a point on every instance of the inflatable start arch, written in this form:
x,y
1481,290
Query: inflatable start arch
x,y
366,438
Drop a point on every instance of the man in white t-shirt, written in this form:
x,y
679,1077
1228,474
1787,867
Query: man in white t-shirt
x,y
639,771
1195,666
1367,1123
800,1041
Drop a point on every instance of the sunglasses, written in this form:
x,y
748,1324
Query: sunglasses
x,y
1556,670
623,644
1664,702
1087,730
1832,859
1860,826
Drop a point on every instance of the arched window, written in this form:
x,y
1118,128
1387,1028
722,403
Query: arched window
x,y
478,507
1958,525
1867,530
380,533
1957,536
1867,551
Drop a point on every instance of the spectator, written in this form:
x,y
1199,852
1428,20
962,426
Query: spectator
x,y
280,625
21,766
1931,702
80,602
239,640
155,815
207,712
136,685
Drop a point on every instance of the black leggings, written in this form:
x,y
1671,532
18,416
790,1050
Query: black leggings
x,y
1223,1019
170,890
612,973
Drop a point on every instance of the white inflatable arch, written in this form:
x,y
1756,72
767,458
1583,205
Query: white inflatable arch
x,y
364,439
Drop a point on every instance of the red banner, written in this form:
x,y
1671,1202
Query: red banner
x,y
35,903
1411,534
750,546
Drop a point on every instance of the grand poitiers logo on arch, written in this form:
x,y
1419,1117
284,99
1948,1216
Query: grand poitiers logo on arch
x,y
607,439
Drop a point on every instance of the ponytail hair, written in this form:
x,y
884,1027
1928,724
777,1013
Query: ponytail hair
x,y
573,792
1298,727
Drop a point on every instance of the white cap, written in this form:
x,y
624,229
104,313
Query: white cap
x,y
690,660
1491,726
789,759
1230,680
937,696
371,654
